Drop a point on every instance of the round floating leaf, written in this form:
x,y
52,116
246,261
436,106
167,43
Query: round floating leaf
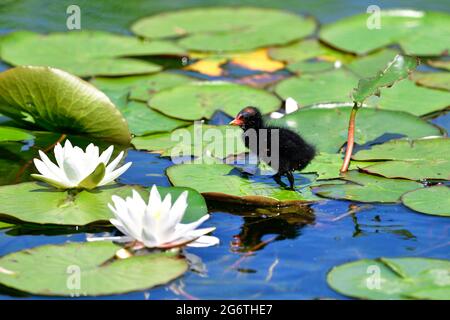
x,y
418,33
73,208
409,97
86,269
332,86
141,87
198,141
328,165
434,80
367,188
225,183
433,200
143,120
396,70
200,100
57,101
327,128
415,160
14,134
226,29
392,278
84,53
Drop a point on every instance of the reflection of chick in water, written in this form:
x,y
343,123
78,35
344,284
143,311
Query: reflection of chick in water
x,y
257,232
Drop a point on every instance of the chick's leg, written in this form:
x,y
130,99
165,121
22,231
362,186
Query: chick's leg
x,y
291,179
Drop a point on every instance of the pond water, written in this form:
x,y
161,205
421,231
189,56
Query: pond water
x,y
259,257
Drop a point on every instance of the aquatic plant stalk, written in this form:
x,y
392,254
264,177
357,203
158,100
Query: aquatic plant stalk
x,y
350,139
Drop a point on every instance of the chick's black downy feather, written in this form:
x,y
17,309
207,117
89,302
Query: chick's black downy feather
x,y
294,153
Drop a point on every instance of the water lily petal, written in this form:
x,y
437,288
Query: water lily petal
x,y
113,164
55,183
106,155
111,176
59,155
57,172
72,171
178,209
44,170
204,241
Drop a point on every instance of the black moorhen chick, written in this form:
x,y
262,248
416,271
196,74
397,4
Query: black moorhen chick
x,y
294,152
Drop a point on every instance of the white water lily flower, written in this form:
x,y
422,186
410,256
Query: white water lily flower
x,y
158,223
76,168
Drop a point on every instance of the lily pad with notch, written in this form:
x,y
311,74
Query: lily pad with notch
x,y
367,188
409,159
226,29
399,278
327,128
199,100
100,273
225,183
85,53
77,207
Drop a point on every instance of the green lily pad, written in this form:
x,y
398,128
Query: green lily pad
x,y
201,99
57,101
409,97
75,208
392,278
85,53
396,70
434,200
328,165
418,33
4,225
326,128
434,80
367,188
198,141
225,183
141,87
298,51
310,67
14,134
415,160
226,29
369,65
143,120
332,86
86,269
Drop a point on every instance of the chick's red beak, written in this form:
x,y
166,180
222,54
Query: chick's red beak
x,y
237,121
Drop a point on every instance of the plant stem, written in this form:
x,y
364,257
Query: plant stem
x,y
350,139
